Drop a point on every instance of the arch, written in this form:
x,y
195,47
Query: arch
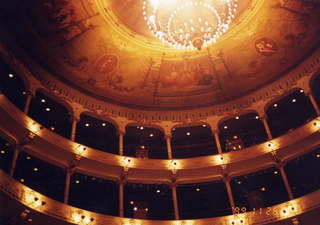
x,y
24,78
147,125
312,79
56,99
191,124
289,92
243,112
96,116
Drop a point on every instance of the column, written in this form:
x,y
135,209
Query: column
x,y
121,135
286,182
28,102
14,160
67,186
74,128
175,201
217,140
266,126
169,148
229,192
121,201
314,103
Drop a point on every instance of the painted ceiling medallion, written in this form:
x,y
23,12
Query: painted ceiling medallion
x,y
189,24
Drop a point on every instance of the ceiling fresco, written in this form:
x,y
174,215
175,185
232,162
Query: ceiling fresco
x,y
104,48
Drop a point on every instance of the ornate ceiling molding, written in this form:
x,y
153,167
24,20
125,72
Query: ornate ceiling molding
x,y
301,74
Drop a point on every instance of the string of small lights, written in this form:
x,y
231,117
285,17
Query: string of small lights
x,y
185,24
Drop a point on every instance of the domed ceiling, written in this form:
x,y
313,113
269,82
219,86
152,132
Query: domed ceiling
x,y
106,49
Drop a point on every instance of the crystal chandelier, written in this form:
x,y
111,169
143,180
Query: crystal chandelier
x,y
189,24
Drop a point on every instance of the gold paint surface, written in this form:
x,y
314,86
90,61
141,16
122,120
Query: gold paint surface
x,y
103,48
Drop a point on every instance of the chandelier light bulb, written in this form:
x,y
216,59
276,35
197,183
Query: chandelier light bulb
x,y
188,24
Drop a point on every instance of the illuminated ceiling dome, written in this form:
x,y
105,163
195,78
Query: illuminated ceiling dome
x,y
108,56
147,54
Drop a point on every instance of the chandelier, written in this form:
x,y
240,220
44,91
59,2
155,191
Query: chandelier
x,y
189,24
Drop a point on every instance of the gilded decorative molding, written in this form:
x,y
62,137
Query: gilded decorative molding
x,y
296,78
67,213
102,164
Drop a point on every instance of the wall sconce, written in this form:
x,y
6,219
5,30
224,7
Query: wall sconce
x,y
87,220
34,127
238,221
269,147
82,219
289,211
316,123
126,163
38,203
34,130
284,212
314,126
173,166
219,159
81,149
34,202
